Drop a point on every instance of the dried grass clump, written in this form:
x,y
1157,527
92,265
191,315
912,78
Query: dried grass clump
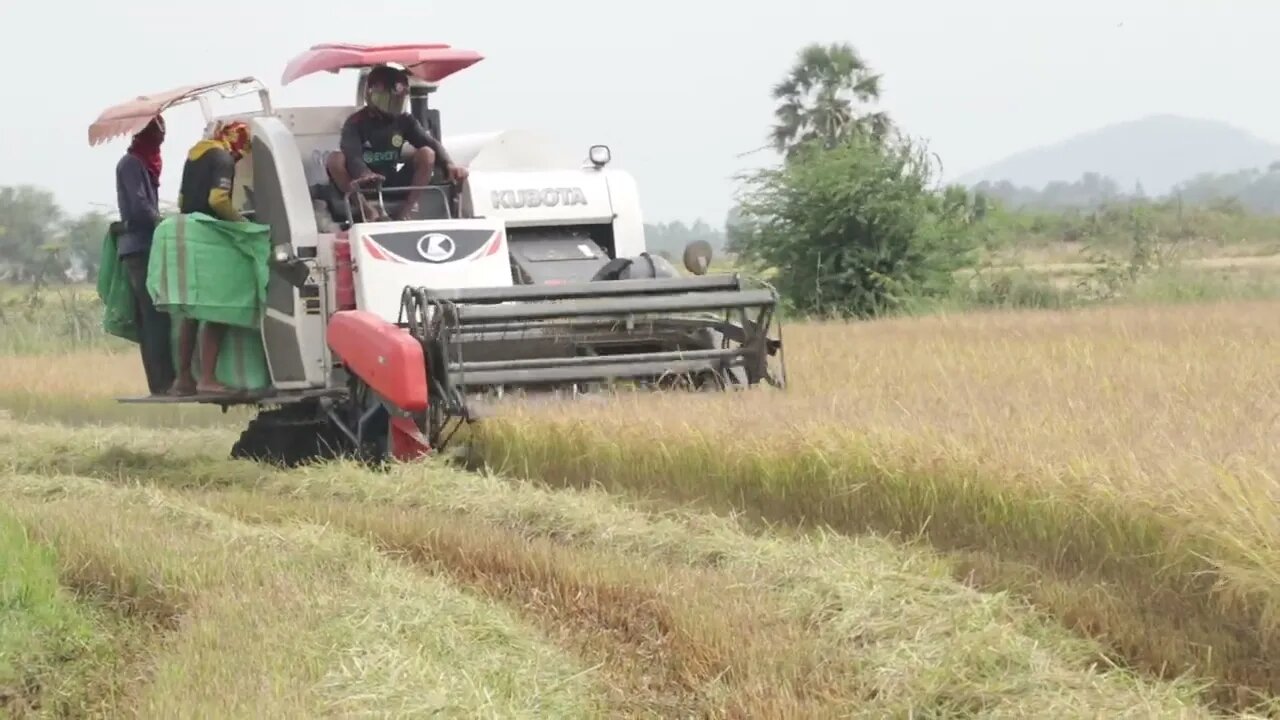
x,y
674,614
286,621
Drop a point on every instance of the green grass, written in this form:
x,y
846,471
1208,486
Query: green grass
x,y
58,656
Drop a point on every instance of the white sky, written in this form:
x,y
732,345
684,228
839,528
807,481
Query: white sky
x,y
677,88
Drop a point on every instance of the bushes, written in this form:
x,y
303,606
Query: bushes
x,y
854,230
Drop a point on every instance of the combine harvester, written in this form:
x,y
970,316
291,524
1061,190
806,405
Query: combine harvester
x,y
532,276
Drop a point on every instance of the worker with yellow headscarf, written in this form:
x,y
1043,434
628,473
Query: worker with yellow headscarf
x,y
207,180
210,169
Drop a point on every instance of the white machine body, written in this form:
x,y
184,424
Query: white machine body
x,y
442,254
531,205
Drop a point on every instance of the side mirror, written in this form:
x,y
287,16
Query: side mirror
x,y
599,155
697,257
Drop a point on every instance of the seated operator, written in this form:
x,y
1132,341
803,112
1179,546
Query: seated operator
x,y
371,142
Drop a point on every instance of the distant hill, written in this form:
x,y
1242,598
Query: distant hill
x,y
1160,151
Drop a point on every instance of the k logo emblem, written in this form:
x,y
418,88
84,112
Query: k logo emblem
x,y
436,247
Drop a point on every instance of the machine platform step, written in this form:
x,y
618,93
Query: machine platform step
x,y
271,396
207,398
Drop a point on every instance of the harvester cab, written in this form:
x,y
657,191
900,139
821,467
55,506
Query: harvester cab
x,y
532,275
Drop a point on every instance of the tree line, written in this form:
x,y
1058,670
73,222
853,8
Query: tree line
x,y
854,221
42,243
1249,190
670,238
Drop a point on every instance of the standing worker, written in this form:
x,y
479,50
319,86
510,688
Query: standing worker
x,y
138,201
206,186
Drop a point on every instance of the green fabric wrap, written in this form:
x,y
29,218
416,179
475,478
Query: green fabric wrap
x,y
210,270
115,293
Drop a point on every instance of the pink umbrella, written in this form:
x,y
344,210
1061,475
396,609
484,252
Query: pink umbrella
x,y
431,62
129,117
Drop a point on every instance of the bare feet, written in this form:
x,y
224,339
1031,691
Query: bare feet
x,y
182,388
213,387
407,212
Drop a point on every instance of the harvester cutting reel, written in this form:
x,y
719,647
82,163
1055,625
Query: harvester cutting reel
x,y
589,336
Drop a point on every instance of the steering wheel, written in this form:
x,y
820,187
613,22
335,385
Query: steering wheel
x,y
359,185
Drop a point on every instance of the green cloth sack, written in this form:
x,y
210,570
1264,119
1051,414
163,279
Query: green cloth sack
x,y
115,293
212,270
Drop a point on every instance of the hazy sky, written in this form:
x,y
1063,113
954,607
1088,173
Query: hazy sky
x,y
677,88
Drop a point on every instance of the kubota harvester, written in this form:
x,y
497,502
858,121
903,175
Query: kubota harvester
x,y
531,276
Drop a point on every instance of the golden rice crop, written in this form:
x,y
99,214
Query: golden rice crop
x,y
1118,466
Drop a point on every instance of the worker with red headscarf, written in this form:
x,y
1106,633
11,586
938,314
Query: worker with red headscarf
x,y
207,180
137,199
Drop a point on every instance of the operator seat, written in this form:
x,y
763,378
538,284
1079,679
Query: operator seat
x,y
433,202
317,131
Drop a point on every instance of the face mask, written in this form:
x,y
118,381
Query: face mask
x,y
387,101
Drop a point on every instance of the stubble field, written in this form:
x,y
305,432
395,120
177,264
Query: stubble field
x,y
999,515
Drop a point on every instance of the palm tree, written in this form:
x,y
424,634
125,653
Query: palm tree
x,y
817,99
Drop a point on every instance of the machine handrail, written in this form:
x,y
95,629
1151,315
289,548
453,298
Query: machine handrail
x,y
356,189
595,289
622,306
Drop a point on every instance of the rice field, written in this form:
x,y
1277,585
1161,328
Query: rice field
x,y
1119,467
1014,514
